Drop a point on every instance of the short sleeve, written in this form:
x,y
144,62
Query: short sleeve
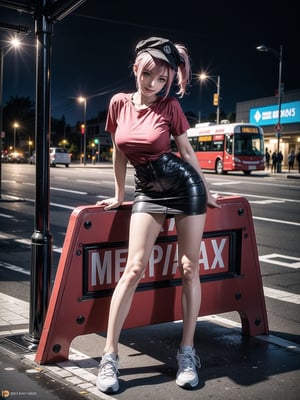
x,y
178,120
111,119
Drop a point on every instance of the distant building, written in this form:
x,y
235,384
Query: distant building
x,y
264,112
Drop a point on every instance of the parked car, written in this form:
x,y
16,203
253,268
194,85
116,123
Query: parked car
x,y
14,157
58,155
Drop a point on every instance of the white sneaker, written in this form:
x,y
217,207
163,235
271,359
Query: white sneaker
x,y
107,381
187,376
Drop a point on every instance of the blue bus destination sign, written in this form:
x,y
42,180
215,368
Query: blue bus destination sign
x,y
290,113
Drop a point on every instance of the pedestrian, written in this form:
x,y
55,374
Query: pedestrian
x,y
279,161
274,161
291,160
166,185
267,158
298,160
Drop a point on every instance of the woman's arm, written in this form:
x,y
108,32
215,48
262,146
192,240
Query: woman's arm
x,y
187,154
119,164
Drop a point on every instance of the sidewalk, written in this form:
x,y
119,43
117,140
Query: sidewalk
x,y
233,367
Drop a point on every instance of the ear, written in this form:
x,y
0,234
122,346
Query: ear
x,y
135,68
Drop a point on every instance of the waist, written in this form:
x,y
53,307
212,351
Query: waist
x,y
161,160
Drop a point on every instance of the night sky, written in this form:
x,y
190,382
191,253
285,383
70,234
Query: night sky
x,y
93,51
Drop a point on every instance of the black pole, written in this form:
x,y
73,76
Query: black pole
x,y
41,240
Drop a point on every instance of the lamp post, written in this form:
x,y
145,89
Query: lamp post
x,y
202,77
278,55
13,43
16,126
83,100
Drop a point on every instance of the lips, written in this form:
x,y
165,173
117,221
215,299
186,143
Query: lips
x,y
150,91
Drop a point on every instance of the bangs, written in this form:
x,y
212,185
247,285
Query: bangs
x,y
146,62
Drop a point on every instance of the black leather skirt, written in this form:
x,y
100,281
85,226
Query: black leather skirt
x,y
169,186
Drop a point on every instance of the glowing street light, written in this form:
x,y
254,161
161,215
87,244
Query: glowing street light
x,y
83,100
278,55
30,143
16,126
216,100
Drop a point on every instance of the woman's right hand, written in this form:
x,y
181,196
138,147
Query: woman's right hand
x,y
109,204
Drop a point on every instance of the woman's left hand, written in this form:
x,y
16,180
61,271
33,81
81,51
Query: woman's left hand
x,y
212,202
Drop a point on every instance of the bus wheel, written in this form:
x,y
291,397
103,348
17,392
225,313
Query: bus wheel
x,y
219,167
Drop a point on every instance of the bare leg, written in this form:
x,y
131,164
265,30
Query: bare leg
x,y
144,229
189,233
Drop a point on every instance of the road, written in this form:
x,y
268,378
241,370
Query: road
x,y
274,202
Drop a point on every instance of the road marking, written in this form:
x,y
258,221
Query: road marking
x,y
277,221
281,295
14,268
28,242
267,201
68,191
6,216
257,196
279,259
62,206
226,183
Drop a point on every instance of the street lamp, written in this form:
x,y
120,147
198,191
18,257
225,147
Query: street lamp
x,y
13,43
83,100
16,126
30,143
278,55
202,77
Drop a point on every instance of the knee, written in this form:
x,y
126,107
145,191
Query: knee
x,y
190,271
132,275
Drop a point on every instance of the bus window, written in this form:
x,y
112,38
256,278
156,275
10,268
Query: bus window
x,y
194,143
217,145
257,145
204,146
248,145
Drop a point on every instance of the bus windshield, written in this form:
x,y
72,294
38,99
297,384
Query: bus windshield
x,y
248,145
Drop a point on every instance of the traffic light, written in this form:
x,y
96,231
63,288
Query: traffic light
x,y
216,99
96,141
82,129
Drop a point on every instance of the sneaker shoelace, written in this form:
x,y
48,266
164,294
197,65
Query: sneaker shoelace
x,y
187,361
108,368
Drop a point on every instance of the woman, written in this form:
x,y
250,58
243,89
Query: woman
x,y
141,124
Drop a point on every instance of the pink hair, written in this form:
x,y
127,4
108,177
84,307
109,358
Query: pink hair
x,y
144,61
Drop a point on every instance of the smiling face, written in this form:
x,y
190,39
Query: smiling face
x,y
152,82
152,76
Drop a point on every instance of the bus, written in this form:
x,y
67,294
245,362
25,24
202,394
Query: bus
x,y
229,147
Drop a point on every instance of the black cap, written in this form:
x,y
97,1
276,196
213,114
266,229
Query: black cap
x,y
161,48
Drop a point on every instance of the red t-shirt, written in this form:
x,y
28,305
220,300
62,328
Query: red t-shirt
x,y
144,135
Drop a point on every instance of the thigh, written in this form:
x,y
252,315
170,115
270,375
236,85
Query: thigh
x,y
189,235
144,229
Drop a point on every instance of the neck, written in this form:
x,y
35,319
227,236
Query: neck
x,y
142,102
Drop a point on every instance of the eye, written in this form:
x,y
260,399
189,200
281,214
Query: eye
x,y
163,80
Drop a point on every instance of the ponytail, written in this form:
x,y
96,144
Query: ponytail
x,y
184,72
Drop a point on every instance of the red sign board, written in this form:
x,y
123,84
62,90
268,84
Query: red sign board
x,y
94,257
